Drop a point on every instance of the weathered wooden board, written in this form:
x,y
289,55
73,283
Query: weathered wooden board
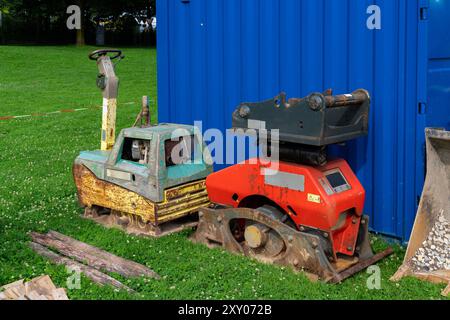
x,y
446,291
40,288
93,191
91,273
92,256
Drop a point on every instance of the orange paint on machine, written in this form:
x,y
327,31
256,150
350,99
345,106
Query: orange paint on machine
x,y
328,199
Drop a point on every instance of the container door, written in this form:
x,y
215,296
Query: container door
x,y
438,108
433,88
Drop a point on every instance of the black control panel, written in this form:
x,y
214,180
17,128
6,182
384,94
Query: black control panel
x,y
337,181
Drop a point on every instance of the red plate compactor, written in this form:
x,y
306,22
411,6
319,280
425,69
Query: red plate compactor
x,y
303,211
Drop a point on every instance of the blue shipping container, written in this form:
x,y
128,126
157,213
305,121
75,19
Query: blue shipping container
x,y
214,54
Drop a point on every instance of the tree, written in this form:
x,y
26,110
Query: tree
x,y
80,32
41,13
113,10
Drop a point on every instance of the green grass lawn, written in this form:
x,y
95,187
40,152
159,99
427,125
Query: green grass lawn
x,y
37,192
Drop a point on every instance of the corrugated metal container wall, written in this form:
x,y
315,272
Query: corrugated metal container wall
x,y
214,54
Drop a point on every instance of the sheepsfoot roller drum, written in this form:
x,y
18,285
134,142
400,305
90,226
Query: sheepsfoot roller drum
x,y
268,239
428,253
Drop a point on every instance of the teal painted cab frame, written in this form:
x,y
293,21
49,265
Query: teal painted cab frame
x,y
152,176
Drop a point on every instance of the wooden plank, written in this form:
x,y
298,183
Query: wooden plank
x,y
91,273
42,285
14,292
39,288
59,294
446,291
361,266
92,256
15,284
33,295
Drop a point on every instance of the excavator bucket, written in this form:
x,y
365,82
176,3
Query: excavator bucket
x,y
428,253
273,241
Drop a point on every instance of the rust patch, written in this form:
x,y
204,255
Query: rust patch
x,y
356,98
186,199
184,190
301,251
93,191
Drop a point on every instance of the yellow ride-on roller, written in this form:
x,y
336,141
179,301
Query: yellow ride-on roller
x,y
143,180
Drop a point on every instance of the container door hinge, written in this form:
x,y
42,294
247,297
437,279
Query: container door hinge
x,y
424,12
422,108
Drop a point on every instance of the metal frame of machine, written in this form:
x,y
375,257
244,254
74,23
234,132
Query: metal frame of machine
x,y
131,183
307,214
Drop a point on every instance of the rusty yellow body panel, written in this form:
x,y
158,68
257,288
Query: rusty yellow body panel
x,y
108,124
179,201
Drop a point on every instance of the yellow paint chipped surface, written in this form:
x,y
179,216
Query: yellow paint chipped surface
x,y
108,124
182,200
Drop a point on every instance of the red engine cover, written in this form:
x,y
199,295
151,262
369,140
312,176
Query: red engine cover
x,y
326,199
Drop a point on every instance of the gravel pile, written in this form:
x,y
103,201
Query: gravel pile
x,y
435,251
